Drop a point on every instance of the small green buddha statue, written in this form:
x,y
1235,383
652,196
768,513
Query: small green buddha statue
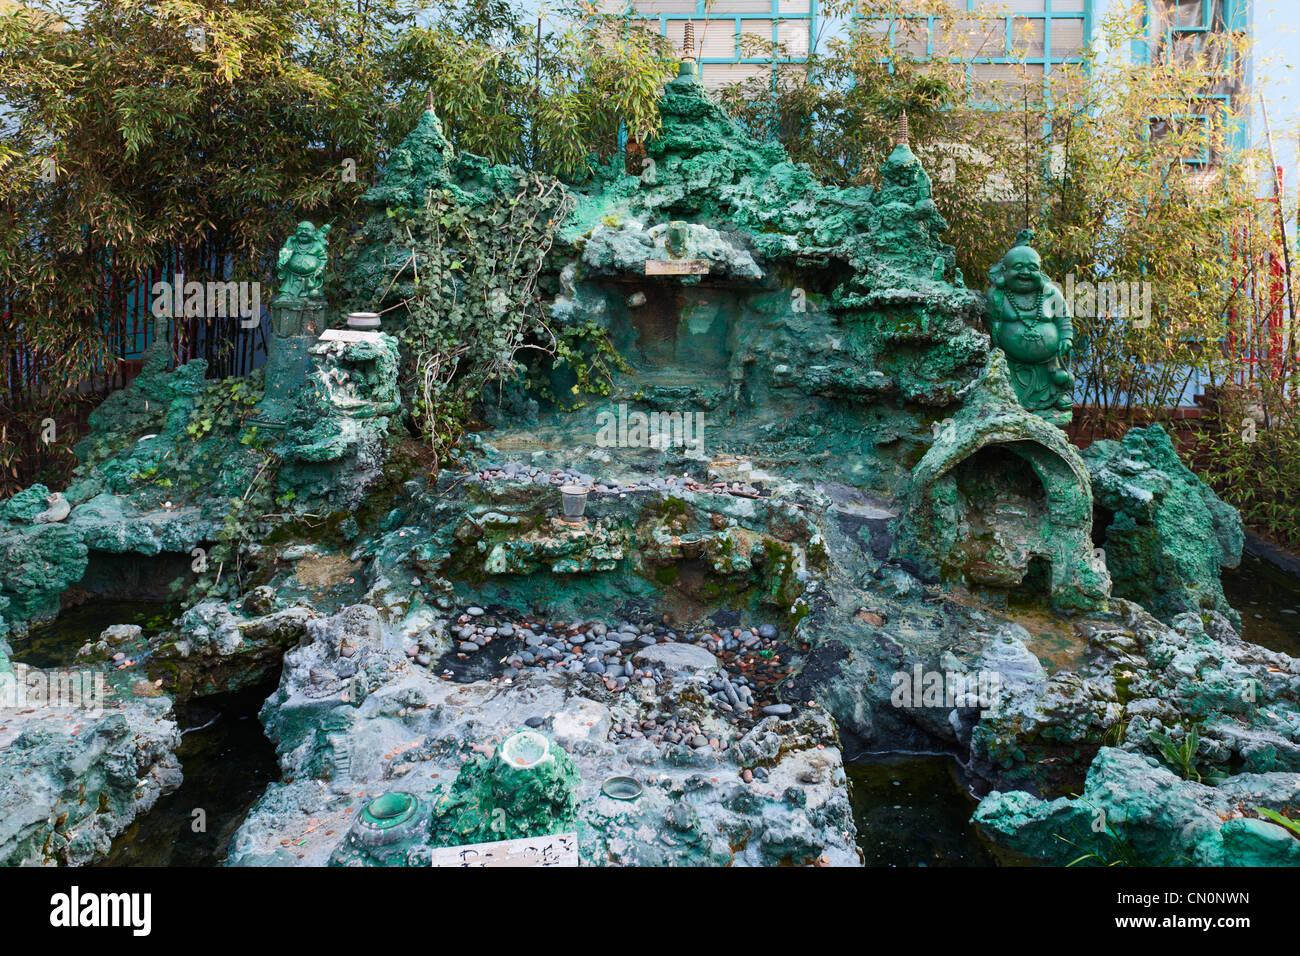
x,y
301,264
1030,322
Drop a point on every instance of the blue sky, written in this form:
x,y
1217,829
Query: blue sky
x,y
1277,71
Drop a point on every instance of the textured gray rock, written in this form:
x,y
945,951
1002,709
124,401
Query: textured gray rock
x,y
344,727
677,657
71,785
1141,676
58,510
215,650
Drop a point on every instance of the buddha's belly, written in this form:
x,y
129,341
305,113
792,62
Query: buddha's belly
x,y
302,264
1029,343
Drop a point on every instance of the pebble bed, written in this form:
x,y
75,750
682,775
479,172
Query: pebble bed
x,y
750,659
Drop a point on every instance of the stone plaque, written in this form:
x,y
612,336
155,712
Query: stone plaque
x,y
558,849
676,267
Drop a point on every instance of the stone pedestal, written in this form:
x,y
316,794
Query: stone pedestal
x,y
296,324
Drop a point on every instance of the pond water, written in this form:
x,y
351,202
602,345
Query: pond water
x,y
1268,600
914,810
225,757
228,762
55,644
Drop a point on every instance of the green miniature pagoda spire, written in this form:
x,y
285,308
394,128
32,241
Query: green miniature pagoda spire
x,y
421,163
687,82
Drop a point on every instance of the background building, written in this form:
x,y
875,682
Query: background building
x,y
1038,33
1014,42
722,28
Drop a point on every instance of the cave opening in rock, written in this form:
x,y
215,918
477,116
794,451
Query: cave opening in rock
x,y
1037,581
129,577
1003,503
668,326
654,322
1101,519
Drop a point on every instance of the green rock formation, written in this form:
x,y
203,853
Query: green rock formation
x,y
71,785
39,564
528,787
999,492
1140,683
733,283
736,284
170,463
156,402
1165,533
26,505
869,488
154,471
1134,812
215,650
379,274
335,448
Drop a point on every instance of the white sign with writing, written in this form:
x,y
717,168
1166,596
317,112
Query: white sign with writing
x,y
349,335
677,267
558,849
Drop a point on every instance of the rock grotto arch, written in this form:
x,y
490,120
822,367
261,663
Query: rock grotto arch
x,y
951,525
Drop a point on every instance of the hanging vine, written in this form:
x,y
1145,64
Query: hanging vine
x,y
474,303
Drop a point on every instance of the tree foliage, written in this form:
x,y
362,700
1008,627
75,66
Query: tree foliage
x,y
548,95
192,134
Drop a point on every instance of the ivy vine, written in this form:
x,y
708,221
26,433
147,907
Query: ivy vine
x,y
246,520
223,407
587,353
474,302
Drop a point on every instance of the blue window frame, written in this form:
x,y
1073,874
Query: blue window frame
x,y
1234,16
737,15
